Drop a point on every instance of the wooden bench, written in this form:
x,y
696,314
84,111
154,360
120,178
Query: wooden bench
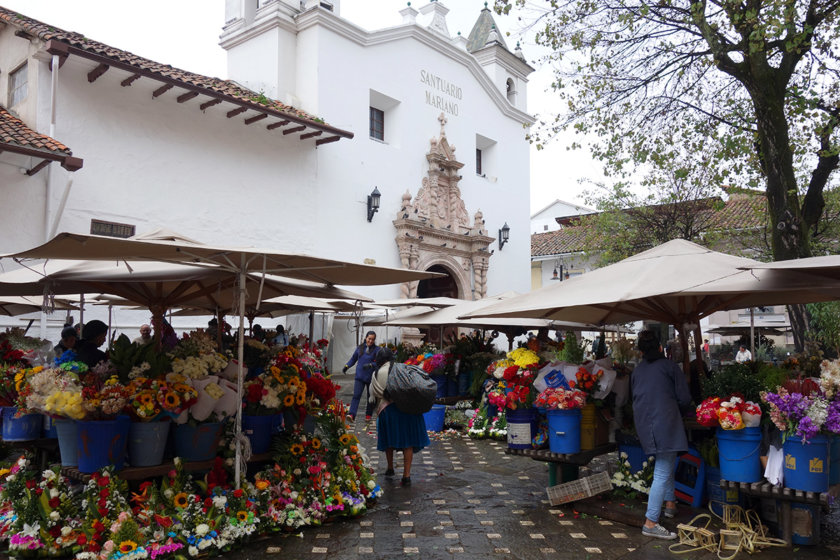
x,y
786,497
569,463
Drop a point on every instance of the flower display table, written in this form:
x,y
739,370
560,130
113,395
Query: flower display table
x,y
145,473
786,497
569,463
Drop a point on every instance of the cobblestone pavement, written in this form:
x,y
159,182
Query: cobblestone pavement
x,y
468,498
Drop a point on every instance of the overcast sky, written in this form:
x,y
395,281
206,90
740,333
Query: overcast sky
x,y
185,34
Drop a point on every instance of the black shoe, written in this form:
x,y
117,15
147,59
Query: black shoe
x,y
406,481
389,472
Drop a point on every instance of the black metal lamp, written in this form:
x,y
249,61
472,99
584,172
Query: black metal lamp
x,y
373,203
504,234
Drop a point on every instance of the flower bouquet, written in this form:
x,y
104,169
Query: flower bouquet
x,y
586,381
560,399
802,416
731,414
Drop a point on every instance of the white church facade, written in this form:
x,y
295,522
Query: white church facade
x,y
317,113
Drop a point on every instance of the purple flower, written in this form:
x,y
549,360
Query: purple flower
x,y
807,429
832,419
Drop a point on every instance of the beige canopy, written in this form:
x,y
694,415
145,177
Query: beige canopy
x,y
165,246
19,305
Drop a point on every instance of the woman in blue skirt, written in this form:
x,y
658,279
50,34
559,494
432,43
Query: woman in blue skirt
x,y
396,429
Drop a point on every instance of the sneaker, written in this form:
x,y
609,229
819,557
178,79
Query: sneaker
x,y
389,472
406,481
670,513
658,532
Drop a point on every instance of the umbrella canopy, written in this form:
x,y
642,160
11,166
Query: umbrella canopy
x,y
677,282
827,266
274,307
744,330
19,305
166,246
434,302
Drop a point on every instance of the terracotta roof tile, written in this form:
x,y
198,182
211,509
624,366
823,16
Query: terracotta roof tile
x,y
741,211
14,132
224,87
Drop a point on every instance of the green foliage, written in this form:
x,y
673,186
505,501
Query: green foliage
x,y
572,351
126,355
770,376
825,324
734,378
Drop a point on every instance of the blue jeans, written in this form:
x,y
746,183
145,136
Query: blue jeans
x,y
662,487
358,388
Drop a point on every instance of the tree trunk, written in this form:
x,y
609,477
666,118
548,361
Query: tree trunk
x,y
800,322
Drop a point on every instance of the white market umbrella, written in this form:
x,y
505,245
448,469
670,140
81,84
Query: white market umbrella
x,y
19,305
167,246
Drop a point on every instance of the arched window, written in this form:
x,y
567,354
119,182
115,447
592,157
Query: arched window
x,y
511,90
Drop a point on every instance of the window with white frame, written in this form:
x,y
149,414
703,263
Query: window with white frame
x,y
484,149
18,85
383,115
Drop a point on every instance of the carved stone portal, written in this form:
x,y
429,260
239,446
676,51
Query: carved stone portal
x,y
435,228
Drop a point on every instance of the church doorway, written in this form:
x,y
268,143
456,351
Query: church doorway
x,y
443,286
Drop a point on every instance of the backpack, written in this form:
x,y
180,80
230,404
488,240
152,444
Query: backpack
x,y
411,389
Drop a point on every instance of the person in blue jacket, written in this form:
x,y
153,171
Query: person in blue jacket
x,y
365,359
660,395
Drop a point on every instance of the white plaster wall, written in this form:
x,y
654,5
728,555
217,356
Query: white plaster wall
x,y
259,64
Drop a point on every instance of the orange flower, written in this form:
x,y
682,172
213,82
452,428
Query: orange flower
x,y
261,484
127,546
288,400
180,500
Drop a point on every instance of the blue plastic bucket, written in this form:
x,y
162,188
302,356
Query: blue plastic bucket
x,y
102,443
806,465
564,431
464,382
717,495
49,428
435,417
635,456
451,387
25,428
68,442
147,442
806,524
197,443
834,461
259,430
739,454
522,427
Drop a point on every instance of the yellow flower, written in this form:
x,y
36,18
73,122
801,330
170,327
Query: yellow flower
x,y
288,400
296,449
261,484
180,501
316,443
127,546
294,382
345,439
300,398
242,515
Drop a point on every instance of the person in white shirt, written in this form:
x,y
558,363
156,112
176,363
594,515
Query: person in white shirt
x,y
743,355
145,335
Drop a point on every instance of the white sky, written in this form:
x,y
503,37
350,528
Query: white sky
x,y
185,34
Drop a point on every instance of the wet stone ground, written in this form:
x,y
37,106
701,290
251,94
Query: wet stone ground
x,y
470,499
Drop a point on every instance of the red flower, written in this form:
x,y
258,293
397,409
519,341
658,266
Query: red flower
x,y
54,503
98,526
254,393
104,493
55,532
237,493
163,521
208,502
102,511
103,481
81,540
30,484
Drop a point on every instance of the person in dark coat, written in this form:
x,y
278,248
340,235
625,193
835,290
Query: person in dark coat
x,y
364,357
94,334
659,392
67,342
395,429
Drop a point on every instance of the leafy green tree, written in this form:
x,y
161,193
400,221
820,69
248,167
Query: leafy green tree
x,y
753,83
825,323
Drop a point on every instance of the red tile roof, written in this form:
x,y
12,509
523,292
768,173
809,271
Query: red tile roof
x,y
742,211
164,72
14,133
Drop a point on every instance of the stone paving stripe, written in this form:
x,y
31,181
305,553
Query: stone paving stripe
x,y
502,551
405,513
409,535
365,523
474,501
443,512
503,493
526,523
457,468
566,522
488,523
555,511
273,550
454,549
322,536
577,535
524,478
469,492
439,502
365,535
518,512
319,550
482,512
510,502
411,550
494,536
365,550
482,462
497,485
592,550
406,523
548,550
605,522
630,549
450,535
446,523
536,535
619,535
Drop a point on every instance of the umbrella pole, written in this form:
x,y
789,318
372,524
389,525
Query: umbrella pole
x,y
311,326
240,353
752,332
219,327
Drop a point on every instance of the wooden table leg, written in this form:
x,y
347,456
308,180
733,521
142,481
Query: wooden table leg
x,y
786,522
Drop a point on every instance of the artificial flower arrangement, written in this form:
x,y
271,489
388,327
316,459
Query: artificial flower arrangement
x,y
733,413
628,483
560,398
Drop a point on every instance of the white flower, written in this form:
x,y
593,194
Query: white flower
x,y
229,461
623,455
193,551
644,464
297,472
53,493
64,530
54,515
168,493
202,529
627,463
371,484
219,501
618,476
10,478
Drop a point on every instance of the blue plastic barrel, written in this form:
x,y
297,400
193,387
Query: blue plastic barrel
x,y
834,461
197,443
739,454
102,443
806,464
147,442
259,430
25,428
434,418
564,431
68,445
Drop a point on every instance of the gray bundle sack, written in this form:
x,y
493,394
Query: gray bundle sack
x,y
411,389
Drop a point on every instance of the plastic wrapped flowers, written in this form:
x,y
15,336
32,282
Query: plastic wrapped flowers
x,y
731,414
